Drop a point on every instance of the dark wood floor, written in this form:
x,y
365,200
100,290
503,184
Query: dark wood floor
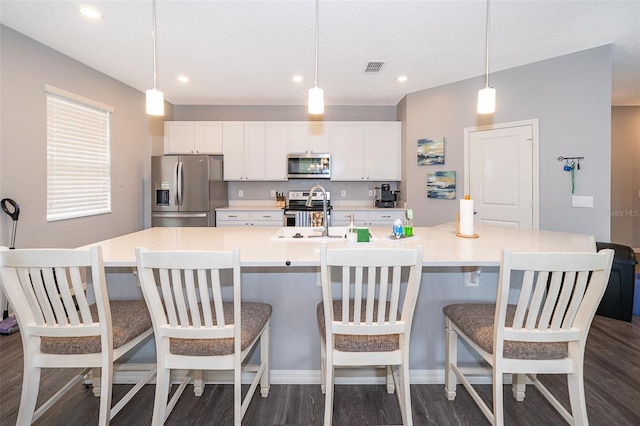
x,y
612,382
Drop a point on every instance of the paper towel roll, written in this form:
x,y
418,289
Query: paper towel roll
x,y
466,217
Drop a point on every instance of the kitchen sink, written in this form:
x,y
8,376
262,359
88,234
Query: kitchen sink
x,y
310,234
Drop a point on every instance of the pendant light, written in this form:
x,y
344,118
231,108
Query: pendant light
x,y
155,98
487,96
316,94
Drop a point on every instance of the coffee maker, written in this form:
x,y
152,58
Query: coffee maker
x,y
385,198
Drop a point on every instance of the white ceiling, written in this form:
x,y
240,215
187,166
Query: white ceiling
x,y
246,52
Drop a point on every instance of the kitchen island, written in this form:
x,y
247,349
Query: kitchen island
x,y
259,248
285,274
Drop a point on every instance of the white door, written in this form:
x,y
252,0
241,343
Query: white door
x,y
501,173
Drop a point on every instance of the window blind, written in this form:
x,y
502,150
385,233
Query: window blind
x,y
78,156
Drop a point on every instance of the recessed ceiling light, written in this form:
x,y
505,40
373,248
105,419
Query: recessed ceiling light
x,y
183,79
297,78
403,78
91,12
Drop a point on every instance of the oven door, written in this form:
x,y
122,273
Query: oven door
x,y
289,218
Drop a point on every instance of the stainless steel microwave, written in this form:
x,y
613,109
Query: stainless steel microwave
x,y
308,166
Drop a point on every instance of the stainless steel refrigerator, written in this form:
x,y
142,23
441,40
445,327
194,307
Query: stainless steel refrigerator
x,y
186,190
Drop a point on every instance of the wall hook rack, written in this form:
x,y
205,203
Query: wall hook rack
x,y
571,161
570,165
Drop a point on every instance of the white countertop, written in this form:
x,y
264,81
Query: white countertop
x,y
361,207
251,207
441,246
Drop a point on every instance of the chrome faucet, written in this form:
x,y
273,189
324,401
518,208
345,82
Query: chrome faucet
x,y
325,223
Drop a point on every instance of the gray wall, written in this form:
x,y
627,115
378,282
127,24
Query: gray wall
x,y
26,67
571,97
282,113
625,176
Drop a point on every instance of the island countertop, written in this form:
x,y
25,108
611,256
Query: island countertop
x,y
258,248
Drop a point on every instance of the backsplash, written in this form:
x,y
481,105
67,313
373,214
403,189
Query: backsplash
x,y
354,191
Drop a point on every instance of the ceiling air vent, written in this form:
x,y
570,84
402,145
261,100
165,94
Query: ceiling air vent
x,y
374,67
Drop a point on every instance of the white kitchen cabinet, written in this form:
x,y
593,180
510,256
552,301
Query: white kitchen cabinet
x,y
367,217
341,217
244,150
365,151
233,150
347,151
192,137
308,137
382,150
276,155
254,151
385,217
249,218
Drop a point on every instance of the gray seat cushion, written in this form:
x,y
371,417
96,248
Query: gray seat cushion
x,y
254,317
476,321
356,343
129,319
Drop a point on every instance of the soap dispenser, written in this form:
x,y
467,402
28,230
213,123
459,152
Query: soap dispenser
x,y
352,231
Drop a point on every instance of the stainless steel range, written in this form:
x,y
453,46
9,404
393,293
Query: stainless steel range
x,y
296,213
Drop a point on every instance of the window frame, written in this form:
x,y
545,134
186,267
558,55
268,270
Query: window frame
x,y
78,155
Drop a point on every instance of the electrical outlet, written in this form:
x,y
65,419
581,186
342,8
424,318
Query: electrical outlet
x,y
343,193
273,192
371,193
240,193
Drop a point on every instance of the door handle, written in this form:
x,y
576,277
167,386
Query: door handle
x,y
180,188
176,199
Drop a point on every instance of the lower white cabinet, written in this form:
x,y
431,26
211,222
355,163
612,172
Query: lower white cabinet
x,y
249,218
364,217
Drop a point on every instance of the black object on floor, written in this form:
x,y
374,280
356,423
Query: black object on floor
x,y
617,302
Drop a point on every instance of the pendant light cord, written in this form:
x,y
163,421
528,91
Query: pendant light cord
x,y
154,43
487,43
315,82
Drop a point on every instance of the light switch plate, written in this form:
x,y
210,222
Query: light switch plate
x,y
343,193
582,201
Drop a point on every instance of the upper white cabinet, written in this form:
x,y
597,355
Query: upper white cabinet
x,y
308,137
254,151
233,150
347,150
257,150
365,151
276,155
382,150
192,137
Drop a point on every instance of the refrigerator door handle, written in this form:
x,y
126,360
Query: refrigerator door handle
x,y
180,188
176,197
